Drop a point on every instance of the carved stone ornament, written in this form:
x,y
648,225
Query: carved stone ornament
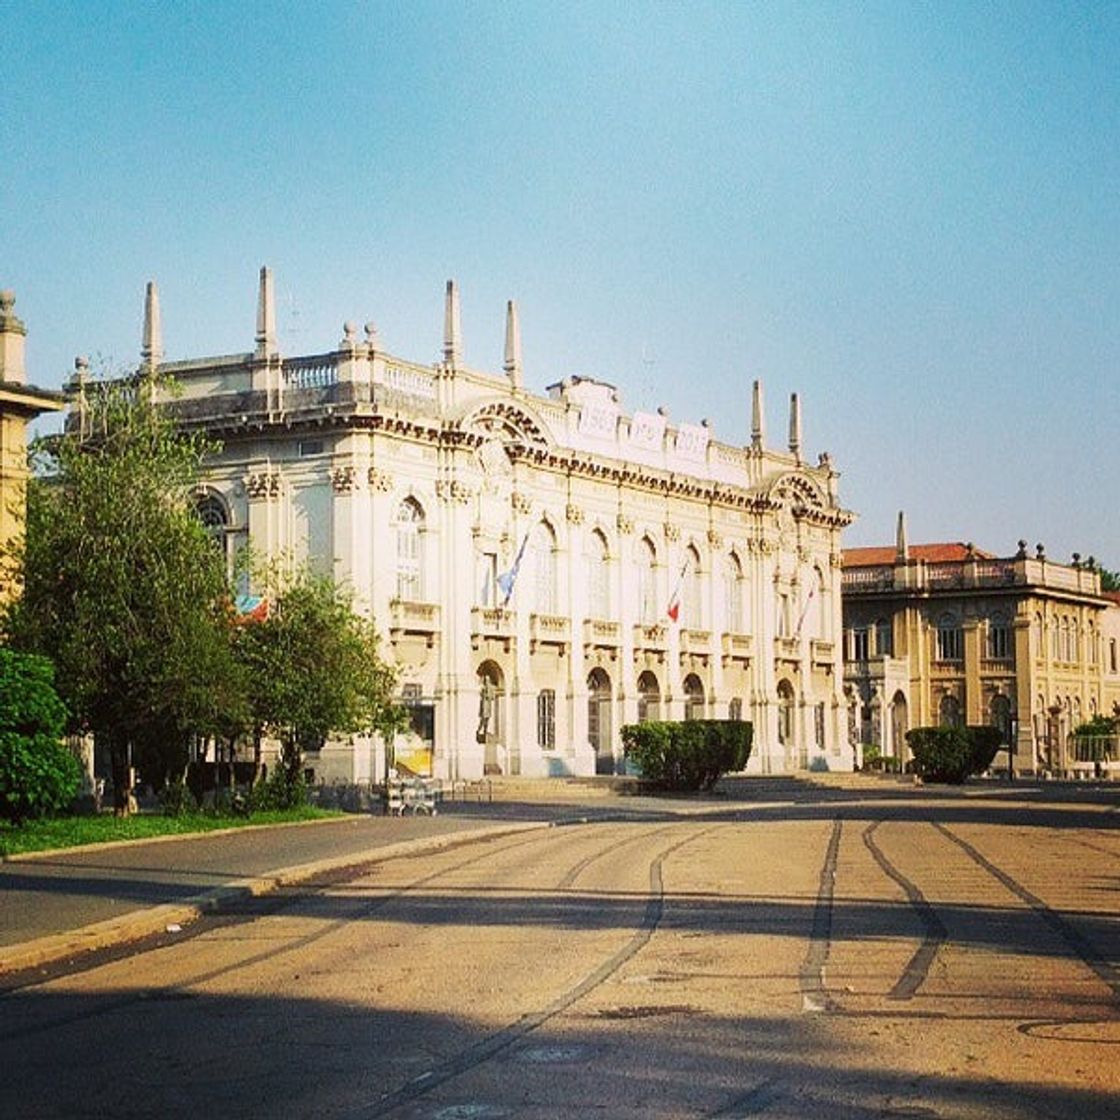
x,y
379,480
263,484
672,532
453,491
767,547
803,554
344,479
715,538
520,502
574,514
836,559
625,524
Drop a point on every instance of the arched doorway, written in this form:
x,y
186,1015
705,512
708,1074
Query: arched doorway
x,y
693,697
786,700
599,720
900,724
491,713
649,697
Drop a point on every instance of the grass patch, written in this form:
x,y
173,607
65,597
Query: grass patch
x,y
72,832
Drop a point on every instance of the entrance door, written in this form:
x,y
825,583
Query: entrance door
x,y
599,720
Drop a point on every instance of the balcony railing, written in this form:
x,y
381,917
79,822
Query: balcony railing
x,y
787,649
549,629
822,652
738,647
601,632
410,617
650,637
492,622
696,641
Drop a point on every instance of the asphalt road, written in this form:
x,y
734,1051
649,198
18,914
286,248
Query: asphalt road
x,y
841,957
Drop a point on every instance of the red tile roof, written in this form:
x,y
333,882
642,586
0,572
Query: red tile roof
x,y
932,553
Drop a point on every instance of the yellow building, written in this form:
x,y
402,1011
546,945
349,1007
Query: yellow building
x,y
949,634
20,403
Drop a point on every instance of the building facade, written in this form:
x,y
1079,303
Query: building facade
x,y
20,403
948,634
544,568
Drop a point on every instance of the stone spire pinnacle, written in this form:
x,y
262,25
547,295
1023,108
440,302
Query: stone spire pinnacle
x,y
795,425
266,316
512,364
757,423
902,547
12,335
452,328
151,349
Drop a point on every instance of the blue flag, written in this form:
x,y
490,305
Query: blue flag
x,y
507,579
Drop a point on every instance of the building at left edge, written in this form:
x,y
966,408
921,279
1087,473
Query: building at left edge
x,y
543,567
20,403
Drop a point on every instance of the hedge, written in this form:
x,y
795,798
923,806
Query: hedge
x,y
690,754
952,754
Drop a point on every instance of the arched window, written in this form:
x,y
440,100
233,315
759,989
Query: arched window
x,y
949,712
647,582
693,583
1113,659
884,638
410,525
649,697
598,577
212,512
999,715
693,697
785,713
544,565
949,644
733,598
546,719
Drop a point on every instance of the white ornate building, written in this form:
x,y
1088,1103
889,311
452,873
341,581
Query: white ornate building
x,y
426,487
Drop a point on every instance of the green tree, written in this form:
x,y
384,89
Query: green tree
x,y
122,587
1110,581
38,775
312,670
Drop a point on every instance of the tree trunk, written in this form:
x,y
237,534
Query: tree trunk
x,y
119,764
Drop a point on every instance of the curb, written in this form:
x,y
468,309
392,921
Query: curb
x,y
155,919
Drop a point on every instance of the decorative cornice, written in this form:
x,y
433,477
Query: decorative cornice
x,y
263,484
344,479
379,480
453,491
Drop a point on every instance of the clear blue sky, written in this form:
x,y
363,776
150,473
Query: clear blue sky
x,y
909,213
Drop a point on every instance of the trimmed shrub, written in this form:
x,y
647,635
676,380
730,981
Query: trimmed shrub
x,y
178,800
692,754
987,741
952,754
279,791
38,775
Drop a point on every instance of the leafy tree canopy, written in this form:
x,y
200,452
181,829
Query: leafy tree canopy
x,y
312,668
122,588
